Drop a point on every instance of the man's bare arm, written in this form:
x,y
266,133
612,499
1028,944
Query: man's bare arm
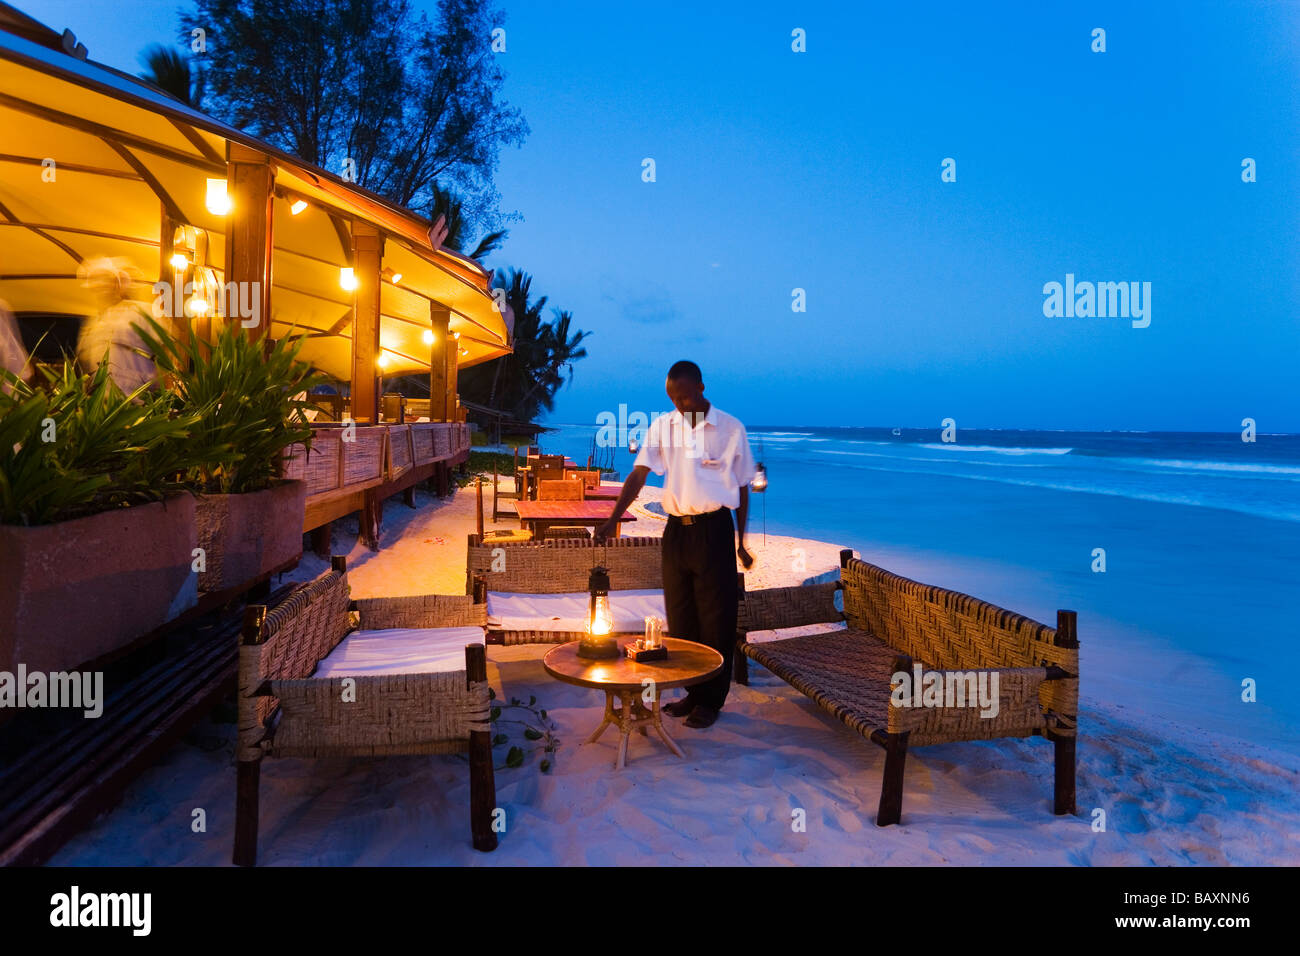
x,y
631,488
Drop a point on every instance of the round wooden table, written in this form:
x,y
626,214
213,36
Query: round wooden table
x,y
688,663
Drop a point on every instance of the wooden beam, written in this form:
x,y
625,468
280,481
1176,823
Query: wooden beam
x,y
169,204
107,132
367,255
250,183
440,320
453,361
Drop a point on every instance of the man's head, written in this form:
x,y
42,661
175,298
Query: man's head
x,y
685,387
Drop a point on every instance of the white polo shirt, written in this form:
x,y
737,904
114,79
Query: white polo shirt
x,y
706,465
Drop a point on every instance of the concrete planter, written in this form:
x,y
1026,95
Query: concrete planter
x,y
79,590
245,536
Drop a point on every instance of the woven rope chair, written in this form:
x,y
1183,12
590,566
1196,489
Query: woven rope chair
x,y
285,712
557,566
895,624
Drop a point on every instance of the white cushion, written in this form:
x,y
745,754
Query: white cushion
x,y
568,612
399,650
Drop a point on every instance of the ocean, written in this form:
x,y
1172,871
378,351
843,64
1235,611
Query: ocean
x,y
1179,551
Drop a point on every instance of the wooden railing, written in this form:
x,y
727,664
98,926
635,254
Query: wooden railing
x,y
354,468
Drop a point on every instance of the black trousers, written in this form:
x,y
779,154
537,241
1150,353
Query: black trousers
x,y
701,591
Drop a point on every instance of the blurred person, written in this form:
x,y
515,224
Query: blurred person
x,y
109,337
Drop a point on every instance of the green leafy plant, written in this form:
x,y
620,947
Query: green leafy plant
x,y
73,445
244,395
537,728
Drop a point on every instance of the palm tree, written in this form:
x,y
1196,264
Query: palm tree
x,y
172,73
525,381
447,205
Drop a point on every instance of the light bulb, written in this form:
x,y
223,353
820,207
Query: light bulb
x,y
348,278
428,336
218,200
180,261
602,619
297,206
395,278
382,361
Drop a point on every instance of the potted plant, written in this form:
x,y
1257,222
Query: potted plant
x,y
245,395
96,532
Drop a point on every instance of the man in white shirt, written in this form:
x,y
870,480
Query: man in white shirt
x,y
706,456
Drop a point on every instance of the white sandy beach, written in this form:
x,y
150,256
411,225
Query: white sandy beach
x,y
1170,796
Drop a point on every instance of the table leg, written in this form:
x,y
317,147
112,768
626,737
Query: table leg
x,y
625,726
609,718
659,726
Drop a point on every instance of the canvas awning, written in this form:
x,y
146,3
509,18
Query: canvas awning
x,y
92,161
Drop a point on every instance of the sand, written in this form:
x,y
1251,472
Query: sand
x,y
774,781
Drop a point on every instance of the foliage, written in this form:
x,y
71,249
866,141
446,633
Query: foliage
x,y
410,101
524,382
75,445
173,74
448,207
244,393
538,729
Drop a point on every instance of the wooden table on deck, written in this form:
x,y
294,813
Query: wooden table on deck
x,y
537,516
688,663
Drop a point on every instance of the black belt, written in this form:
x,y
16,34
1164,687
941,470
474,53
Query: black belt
x,y
691,519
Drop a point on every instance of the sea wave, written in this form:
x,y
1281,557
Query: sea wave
x,y
1231,468
996,449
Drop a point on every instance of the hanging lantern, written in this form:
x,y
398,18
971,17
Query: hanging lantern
x,y
599,642
632,444
760,479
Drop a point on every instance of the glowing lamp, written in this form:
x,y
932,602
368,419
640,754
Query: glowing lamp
x,y
297,206
348,278
633,445
196,306
455,335
760,479
599,642
464,351
395,278
382,361
428,336
180,261
218,200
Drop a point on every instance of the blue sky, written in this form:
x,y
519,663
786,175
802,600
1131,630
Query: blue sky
x,y
821,170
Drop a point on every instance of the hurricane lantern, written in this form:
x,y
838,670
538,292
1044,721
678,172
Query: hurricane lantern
x,y
599,642
760,479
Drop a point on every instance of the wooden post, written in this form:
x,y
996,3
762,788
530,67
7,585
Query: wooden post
x,y
367,254
453,361
250,183
320,539
478,490
1067,635
440,321
482,781
247,772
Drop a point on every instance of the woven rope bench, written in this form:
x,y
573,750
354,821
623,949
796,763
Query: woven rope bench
x,y
896,625
557,566
285,712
